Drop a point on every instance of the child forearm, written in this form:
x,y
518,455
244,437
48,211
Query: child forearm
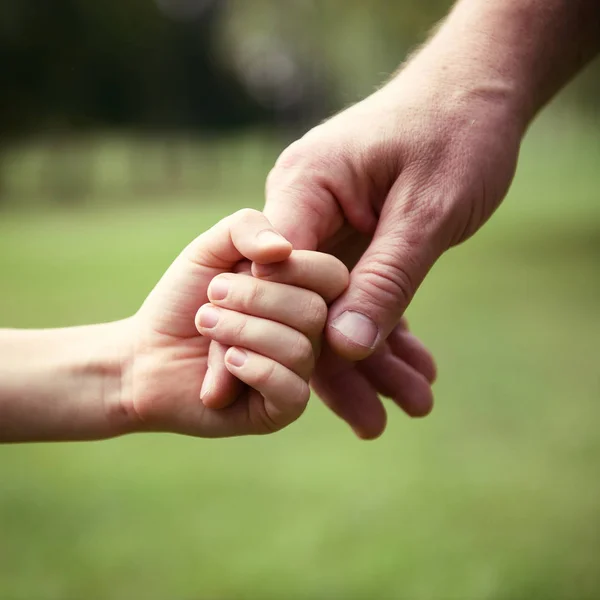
x,y
61,384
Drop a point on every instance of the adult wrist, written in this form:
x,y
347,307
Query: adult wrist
x,y
458,78
521,51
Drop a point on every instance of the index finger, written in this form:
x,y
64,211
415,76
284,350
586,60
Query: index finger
x,y
315,271
246,234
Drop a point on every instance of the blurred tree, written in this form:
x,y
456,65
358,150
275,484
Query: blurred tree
x,y
199,63
74,63
189,65
356,43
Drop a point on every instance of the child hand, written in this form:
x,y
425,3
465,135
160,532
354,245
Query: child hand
x,y
168,358
275,325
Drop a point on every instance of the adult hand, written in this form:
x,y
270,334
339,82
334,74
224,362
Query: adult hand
x,y
387,186
393,182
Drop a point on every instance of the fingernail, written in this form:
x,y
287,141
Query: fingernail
x,y
209,317
207,385
218,288
357,328
236,357
269,238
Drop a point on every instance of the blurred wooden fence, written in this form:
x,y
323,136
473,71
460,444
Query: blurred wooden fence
x,y
67,169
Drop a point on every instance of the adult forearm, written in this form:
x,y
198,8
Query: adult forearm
x,y
60,384
523,51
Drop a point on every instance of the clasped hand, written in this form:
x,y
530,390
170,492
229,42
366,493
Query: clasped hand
x,y
227,342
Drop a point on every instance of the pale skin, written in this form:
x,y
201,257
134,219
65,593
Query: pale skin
x,y
387,186
149,372
391,183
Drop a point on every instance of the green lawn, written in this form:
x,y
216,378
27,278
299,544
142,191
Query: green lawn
x,y
495,496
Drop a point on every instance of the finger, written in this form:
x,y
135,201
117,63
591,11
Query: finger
x,y
288,188
247,234
383,282
244,266
412,351
349,394
295,307
402,325
175,299
220,388
397,380
228,380
273,340
316,271
314,187
282,395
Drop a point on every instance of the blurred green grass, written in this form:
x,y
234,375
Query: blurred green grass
x,y
495,496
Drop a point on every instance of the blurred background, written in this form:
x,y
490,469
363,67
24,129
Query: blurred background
x,y
126,128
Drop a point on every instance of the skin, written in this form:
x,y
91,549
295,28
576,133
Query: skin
x,y
393,182
146,373
149,372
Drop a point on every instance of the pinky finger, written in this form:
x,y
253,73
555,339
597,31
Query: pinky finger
x,y
412,351
282,395
396,379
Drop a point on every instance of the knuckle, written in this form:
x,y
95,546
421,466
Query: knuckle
x,y
306,154
298,401
388,283
265,423
238,328
251,296
289,160
245,215
258,415
303,396
435,202
270,417
427,213
265,373
292,156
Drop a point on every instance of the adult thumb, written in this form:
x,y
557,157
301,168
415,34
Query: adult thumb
x,y
382,284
